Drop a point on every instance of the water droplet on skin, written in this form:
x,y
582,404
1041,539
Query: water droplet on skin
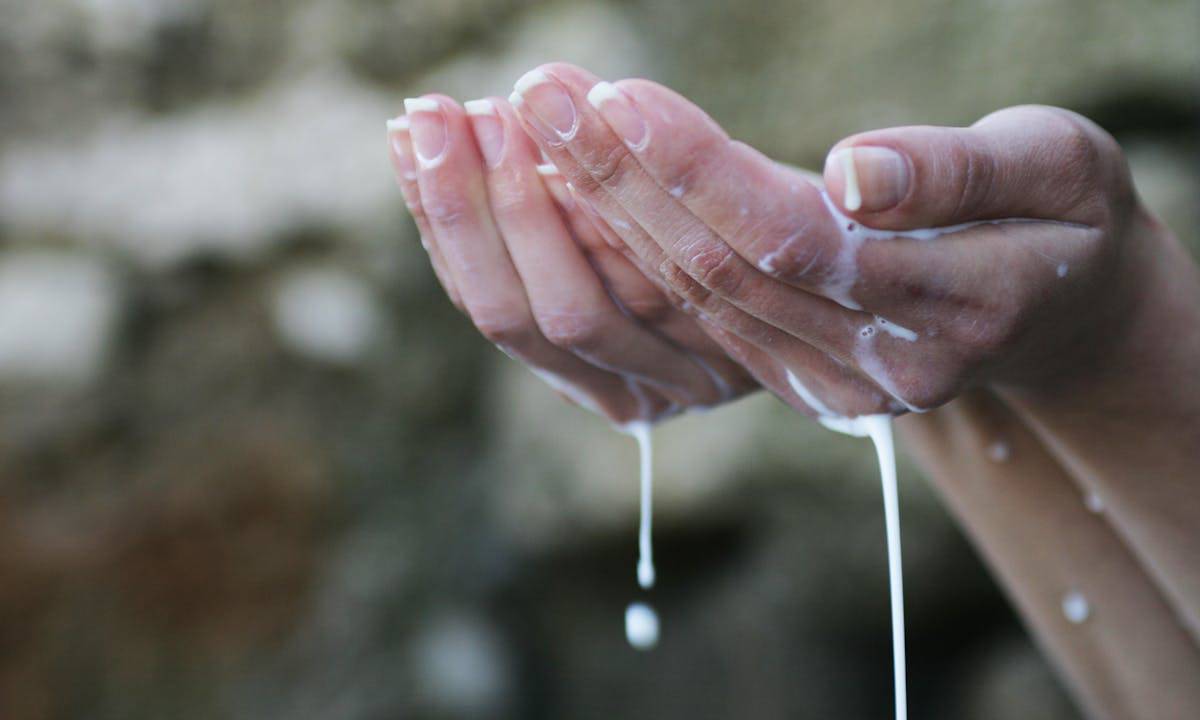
x,y
1094,503
1075,607
999,451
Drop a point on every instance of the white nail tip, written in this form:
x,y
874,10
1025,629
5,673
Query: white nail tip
x,y
547,169
412,105
479,107
602,91
397,124
515,100
853,199
530,79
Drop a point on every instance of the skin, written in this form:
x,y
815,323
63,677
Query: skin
x,y
665,265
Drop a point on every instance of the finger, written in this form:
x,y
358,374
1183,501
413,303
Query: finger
x,y
771,215
455,205
571,306
598,163
1023,162
639,297
400,152
812,385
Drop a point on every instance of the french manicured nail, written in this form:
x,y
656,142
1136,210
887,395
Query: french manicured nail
x,y
619,113
397,130
427,127
874,178
489,130
550,102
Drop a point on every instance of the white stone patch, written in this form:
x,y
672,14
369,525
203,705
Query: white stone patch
x,y
462,666
229,179
326,314
58,314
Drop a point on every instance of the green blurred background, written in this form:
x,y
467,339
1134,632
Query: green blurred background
x,y
253,464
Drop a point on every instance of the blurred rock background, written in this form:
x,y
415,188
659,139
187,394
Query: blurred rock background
x,y
253,465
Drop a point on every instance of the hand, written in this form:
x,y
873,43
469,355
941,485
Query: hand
x,y
524,261
1035,284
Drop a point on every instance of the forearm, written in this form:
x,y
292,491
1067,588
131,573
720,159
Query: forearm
x,y
1130,657
1131,434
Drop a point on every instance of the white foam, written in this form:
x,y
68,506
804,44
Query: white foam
x,y
1075,607
641,626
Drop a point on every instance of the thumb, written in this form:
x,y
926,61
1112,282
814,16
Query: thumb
x,y
1028,161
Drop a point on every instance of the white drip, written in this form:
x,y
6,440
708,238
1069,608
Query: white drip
x,y
879,429
854,234
640,431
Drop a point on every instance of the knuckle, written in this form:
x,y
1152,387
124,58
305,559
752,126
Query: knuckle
x,y
683,285
574,331
447,210
977,174
715,266
795,258
921,387
509,199
505,331
608,164
649,309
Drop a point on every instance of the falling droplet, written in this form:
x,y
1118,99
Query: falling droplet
x,y
641,626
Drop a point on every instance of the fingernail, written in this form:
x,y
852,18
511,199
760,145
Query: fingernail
x,y
619,113
427,127
397,129
489,131
550,103
873,178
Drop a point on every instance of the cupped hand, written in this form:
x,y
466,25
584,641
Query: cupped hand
x,y
941,258
532,270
